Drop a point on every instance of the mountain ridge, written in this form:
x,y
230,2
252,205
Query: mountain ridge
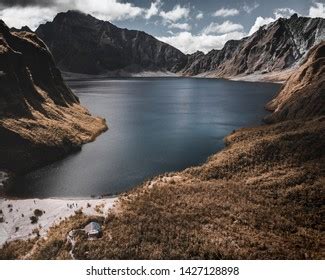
x,y
83,44
276,47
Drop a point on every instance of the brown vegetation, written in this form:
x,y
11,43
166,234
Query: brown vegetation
x,y
262,197
303,96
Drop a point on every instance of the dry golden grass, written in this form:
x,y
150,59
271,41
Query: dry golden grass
x,y
16,249
260,198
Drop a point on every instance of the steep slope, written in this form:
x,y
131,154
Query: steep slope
x,y
83,44
40,118
262,197
275,47
304,93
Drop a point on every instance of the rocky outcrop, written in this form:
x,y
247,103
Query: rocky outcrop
x,y
81,43
274,47
23,28
303,96
41,120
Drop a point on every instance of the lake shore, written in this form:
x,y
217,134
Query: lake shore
x,y
272,77
21,219
121,74
4,176
246,202
13,219
278,77
4,180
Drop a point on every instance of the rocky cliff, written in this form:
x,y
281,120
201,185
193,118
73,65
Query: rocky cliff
x,y
275,47
40,118
303,96
81,43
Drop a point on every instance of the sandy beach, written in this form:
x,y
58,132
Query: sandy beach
x,y
121,74
23,219
273,77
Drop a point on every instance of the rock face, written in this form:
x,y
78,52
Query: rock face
x,y
275,47
303,96
83,44
41,120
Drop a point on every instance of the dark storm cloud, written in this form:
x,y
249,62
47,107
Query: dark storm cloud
x,y
24,3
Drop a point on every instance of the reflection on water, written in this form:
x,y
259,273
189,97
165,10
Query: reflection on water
x,y
155,126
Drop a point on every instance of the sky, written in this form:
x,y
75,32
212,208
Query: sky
x,y
189,25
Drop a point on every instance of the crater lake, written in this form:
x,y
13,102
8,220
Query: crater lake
x,y
156,125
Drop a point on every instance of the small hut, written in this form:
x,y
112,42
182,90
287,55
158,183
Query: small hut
x,y
93,230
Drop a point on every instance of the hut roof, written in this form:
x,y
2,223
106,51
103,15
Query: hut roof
x,y
93,227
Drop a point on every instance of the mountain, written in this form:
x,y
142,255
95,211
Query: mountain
x,y
259,198
275,47
41,120
81,43
304,93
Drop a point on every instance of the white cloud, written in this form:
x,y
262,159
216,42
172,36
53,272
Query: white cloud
x,y
284,12
199,15
153,10
113,9
31,16
225,27
277,13
226,12
210,37
182,26
317,10
103,9
189,43
250,8
175,14
260,21
109,9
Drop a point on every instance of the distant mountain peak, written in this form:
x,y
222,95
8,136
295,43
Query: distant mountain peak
x,y
83,44
294,16
274,47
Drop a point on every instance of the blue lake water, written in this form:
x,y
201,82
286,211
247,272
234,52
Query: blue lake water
x,y
156,125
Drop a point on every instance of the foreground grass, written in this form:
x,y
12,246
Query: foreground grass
x,y
262,197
